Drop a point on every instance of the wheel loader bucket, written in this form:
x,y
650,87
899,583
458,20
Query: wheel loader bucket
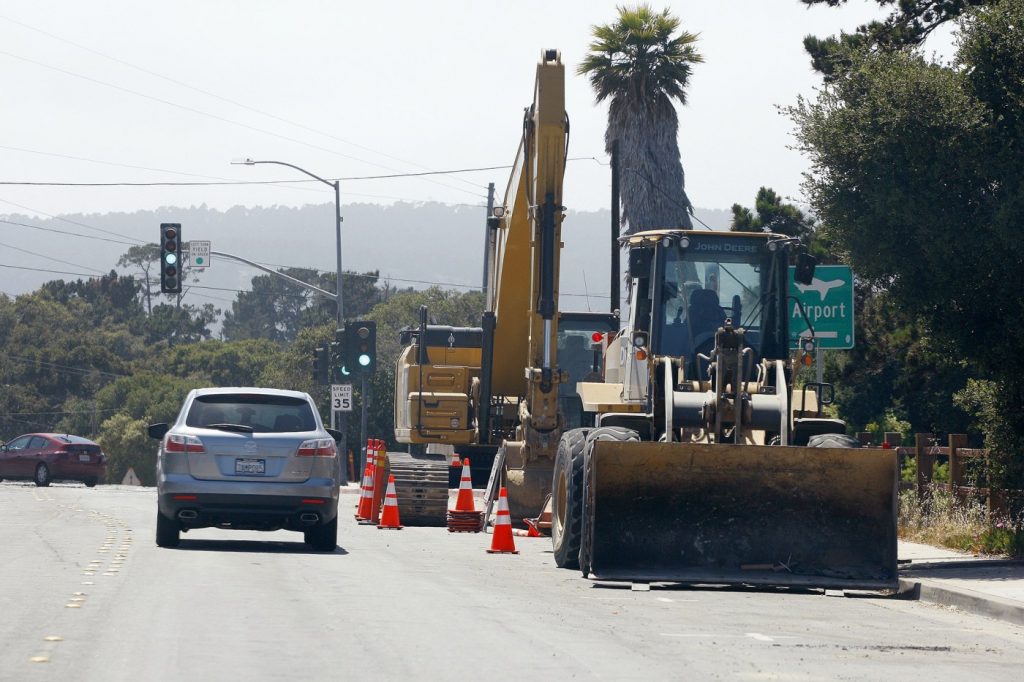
x,y
741,514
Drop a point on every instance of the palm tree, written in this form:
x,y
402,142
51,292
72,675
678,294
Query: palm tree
x,y
642,67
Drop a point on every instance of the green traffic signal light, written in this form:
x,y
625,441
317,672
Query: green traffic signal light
x,y
170,256
364,360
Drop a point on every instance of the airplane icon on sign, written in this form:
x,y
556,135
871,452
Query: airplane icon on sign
x,y
820,286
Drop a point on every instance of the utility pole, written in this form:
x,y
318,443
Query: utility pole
x,y
487,236
616,249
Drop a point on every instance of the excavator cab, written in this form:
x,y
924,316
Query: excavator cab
x,y
582,339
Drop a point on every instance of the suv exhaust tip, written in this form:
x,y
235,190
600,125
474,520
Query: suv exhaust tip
x,y
188,515
309,518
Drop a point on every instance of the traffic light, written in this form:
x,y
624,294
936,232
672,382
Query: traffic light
x,y
321,366
339,372
361,343
170,258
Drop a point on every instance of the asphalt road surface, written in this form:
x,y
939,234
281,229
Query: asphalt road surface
x,y
85,594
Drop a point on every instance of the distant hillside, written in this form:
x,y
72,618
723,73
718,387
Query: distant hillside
x,y
412,244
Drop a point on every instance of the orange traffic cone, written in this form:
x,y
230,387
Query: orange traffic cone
x,y
389,518
456,462
465,500
365,495
501,541
379,456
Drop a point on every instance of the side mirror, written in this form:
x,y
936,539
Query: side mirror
x,y
158,431
335,434
640,262
805,264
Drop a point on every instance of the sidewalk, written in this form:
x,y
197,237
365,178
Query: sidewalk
x,y
980,585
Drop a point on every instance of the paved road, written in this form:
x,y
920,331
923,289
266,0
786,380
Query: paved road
x,y
86,595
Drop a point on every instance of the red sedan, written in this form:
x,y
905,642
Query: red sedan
x,y
45,457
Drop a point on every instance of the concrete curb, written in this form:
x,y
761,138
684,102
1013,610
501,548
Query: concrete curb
x,y
963,599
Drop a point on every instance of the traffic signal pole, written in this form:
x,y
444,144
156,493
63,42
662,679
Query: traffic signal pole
x,y
364,400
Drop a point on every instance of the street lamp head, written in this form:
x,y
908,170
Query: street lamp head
x,y
243,162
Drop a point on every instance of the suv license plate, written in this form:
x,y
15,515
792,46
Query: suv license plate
x,y
83,458
250,466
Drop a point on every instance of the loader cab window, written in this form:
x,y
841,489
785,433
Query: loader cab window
x,y
703,286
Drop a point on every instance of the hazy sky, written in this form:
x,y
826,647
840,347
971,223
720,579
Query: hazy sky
x,y
365,88
120,91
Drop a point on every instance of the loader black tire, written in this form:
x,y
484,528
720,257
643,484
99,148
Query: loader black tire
x,y
567,498
616,433
833,440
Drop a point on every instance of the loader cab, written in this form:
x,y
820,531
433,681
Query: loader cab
x,y
698,280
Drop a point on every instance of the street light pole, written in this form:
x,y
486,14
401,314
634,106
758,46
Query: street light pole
x,y
340,322
337,220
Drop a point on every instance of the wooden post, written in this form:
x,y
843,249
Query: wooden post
x,y
956,471
924,462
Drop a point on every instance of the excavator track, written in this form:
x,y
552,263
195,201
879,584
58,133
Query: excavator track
x,y
421,484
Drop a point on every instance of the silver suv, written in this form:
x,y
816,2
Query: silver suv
x,y
251,459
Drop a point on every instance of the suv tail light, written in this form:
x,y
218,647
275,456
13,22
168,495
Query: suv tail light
x,y
317,447
179,443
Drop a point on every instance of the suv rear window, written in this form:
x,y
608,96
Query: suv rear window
x,y
263,413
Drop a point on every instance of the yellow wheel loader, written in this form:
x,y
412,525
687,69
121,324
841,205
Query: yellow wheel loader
x,y
703,465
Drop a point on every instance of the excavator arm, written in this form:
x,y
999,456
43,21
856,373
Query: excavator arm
x,y
523,293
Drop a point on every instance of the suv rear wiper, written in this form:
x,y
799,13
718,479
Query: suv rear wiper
x,y
242,428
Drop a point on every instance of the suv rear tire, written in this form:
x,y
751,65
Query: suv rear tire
x,y
168,534
323,538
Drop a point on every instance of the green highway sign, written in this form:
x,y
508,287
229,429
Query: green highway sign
x,y
828,304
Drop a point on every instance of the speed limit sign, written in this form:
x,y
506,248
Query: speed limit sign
x,y
341,397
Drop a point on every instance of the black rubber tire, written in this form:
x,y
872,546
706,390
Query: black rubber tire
x,y
616,433
568,480
91,483
168,533
42,476
323,538
833,440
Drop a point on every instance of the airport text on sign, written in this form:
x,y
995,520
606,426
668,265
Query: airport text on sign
x,y
828,303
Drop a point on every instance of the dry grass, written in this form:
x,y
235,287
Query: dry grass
x,y
941,521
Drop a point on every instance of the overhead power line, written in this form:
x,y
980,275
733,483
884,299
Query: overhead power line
x,y
72,222
211,183
202,113
67,369
211,94
49,257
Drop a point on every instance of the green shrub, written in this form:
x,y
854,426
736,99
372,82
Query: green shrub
x,y
127,444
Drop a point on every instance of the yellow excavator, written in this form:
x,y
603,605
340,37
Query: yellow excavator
x,y
704,464
496,393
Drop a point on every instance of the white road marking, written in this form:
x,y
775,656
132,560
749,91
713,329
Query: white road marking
x,y
719,635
